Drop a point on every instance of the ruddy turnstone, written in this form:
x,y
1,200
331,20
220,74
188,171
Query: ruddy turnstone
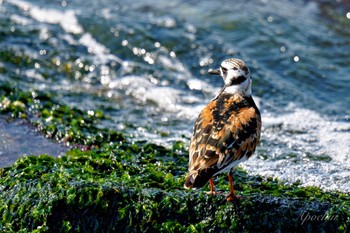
x,y
226,131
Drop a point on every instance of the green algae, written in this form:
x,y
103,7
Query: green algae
x,y
13,58
138,188
121,186
56,121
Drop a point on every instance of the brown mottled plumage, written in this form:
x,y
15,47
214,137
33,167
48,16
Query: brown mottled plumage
x,y
227,130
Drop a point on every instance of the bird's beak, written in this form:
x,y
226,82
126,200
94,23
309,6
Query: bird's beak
x,y
216,72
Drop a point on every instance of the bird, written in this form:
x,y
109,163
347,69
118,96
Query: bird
x,y
227,130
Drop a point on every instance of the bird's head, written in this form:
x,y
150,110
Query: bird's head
x,y
236,76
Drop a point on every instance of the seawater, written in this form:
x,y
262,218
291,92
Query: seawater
x,y
144,63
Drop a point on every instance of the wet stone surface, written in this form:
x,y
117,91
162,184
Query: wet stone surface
x,y
18,138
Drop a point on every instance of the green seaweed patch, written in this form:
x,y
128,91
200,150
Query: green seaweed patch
x,y
56,121
137,187
16,58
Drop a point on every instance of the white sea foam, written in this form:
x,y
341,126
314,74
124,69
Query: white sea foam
x,y
144,90
21,4
304,146
102,53
92,45
69,39
164,21
33,74
20,19
312,132
165,98
66,19
173,64
326,175
69,23
196,84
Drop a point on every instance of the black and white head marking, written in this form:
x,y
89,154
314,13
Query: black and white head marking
x,y
236,76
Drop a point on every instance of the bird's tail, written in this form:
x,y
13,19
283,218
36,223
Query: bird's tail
x,y
190,180
197,179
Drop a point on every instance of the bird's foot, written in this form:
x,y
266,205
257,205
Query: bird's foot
x,y
211,193
214,192
233,197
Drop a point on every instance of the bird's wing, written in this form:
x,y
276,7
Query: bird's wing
x,y
222,136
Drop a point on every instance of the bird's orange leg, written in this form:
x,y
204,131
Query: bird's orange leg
x,y
212,187
232,196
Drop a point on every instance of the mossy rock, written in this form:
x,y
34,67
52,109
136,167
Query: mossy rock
x,y
59,122
138,188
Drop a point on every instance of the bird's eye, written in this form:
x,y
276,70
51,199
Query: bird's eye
x,y
224,70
